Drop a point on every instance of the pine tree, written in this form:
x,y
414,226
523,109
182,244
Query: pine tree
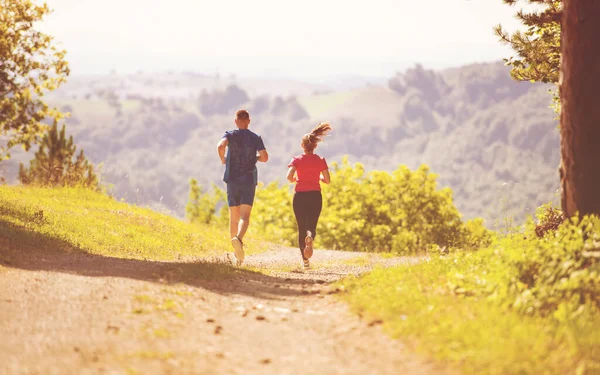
x,y
53,164
537,48
580,115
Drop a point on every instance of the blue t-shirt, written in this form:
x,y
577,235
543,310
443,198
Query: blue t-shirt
x,y
241,156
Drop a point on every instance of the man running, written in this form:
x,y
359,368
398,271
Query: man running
x,y
244,149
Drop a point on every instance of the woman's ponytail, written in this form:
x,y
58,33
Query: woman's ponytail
x,y
310,140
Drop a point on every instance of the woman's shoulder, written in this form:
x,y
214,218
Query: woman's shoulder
x,y
308,157
295,160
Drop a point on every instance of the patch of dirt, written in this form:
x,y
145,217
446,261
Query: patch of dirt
x,y
73,313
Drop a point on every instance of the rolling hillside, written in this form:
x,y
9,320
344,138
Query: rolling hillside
x,y
491,139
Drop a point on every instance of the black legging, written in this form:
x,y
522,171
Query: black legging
x,y
307,208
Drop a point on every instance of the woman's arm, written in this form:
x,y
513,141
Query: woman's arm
x,y
326,178
290,175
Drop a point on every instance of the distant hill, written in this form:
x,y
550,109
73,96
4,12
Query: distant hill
x,y
494,141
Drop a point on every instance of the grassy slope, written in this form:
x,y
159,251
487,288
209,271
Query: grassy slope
x,y
100,225
471,332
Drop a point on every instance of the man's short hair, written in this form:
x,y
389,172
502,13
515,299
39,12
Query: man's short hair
x,y
242,114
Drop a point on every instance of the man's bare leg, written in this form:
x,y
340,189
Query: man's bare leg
x,y
236,242
234,220
244,220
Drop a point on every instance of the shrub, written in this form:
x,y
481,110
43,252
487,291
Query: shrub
x,y
537,276
402,211
475,235
562,268
272,214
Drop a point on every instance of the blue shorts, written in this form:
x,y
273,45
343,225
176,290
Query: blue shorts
x,y
240,193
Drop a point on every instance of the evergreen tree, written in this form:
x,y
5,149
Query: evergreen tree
x,y
580,115
53,164
537,48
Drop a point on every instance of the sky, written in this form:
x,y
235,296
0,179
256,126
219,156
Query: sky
x,y
303,39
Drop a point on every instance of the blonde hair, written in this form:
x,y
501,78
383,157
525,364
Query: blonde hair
x,y
310,140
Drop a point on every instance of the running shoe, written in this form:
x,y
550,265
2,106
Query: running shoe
x,y
306,264
308,248
238,246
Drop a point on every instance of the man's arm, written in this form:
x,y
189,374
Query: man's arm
x,y
263,156
221,149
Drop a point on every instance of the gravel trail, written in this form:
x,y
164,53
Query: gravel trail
x,y
74,313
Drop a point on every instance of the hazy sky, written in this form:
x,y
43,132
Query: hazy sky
x,y
297,39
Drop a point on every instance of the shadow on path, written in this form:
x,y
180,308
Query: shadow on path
x,y
26,250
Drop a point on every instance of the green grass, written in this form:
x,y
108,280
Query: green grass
x,y
422,305
69,218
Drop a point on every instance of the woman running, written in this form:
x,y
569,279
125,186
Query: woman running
x,y
307,170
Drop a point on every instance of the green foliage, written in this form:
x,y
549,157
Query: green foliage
x,y
524,305
30,66
538,48
548,219
475,235
272,214
53,164
201,206
538,276
402,212
559,274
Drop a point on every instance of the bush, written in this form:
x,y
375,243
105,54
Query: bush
x,y
272,214
538,276
402,211
561,269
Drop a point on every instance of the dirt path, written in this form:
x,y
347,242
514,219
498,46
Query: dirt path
x,y
83,314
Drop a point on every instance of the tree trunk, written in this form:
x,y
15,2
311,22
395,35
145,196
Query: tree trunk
x,y
580,100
